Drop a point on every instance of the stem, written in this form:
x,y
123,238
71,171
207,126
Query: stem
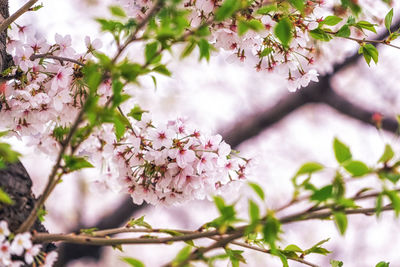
x,y
360,41
27,224
106,241
7,22
150,14
61,59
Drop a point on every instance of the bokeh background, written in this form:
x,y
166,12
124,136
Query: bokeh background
x,y
258,116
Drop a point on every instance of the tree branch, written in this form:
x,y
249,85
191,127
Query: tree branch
x,y
25,8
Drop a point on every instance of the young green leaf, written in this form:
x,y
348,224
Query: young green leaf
x,y
335,263
320,34
283,31
254,211
309,167
5,198
370,52
293,248
136,112
298,4
117,11
265,10
395,200
204,47
387,154
340,221
344,31
151,51
183,254
365,25
322,194
227,9
382,264
133,262
73,163
245,25
356,168
388,19
271,230
331,20
342,152
259,191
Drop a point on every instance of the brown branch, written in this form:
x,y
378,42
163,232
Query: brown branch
x,y
60,59
25,8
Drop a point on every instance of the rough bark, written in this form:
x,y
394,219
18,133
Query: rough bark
x,y
14,179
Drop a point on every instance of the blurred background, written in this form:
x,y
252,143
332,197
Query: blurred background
x,y
256,115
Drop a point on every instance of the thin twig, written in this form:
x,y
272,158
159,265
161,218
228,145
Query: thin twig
x,y
61,59
25,8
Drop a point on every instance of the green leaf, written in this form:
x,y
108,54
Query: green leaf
x,y
254,211
309,167
320,34
356,168
355,8
271,230
183,254
36,8
370,52
395,200
283,31
117,11
133,262
281,256
318,249
388,19
7,155
41,213
387,154
344,31
378,204
298,4
162,69
73,163
235,256
138,222
340,221
342,152
245,25
151,50
88,231
119,127
293,248
205,48
136,112
226,10
335,263
382,264
188,49
259,191
265,10
331,20
322,194
366,25
5,198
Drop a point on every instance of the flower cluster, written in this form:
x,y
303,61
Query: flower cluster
x,y
45,90
299,63
169,164
18,250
